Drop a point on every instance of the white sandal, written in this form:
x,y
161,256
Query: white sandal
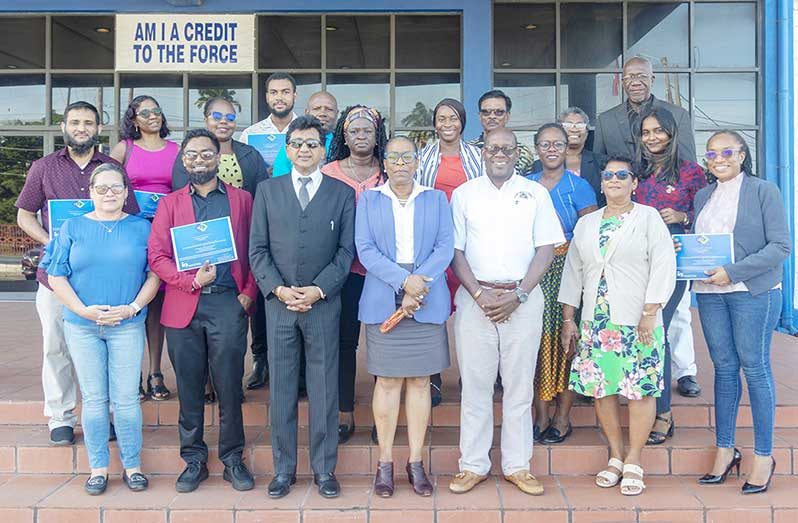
x,y
632,486
608,478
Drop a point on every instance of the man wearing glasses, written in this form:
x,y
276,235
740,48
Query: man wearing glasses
x,y
301,251
494,113
205,312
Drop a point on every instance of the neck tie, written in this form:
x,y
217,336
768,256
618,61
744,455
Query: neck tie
x,y
304,197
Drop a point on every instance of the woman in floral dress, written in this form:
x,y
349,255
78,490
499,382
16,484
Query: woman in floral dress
x,y
621,267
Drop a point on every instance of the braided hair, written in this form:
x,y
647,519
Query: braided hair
x,y
338,148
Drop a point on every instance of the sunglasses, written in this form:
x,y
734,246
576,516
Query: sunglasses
x,y
508,150
393,158
146,113
558,146
621,175
205,155
494,112
574,125
725,153
216,115
297,144
116,188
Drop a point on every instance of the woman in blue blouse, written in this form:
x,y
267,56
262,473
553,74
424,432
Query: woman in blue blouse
x,y
573,197
98,269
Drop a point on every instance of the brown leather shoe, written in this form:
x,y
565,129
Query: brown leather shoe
x,y
465,481
383,480
418,478
526,483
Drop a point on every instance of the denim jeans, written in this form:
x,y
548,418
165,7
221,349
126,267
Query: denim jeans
x,y
738,328
108,364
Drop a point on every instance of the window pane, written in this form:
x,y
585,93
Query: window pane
x,y
306,85
83,42
237,89
524,36
532,96
725,100
22,99
673,88
372,90
593,93
660,33
420,137
358,42
702,137
17,153
591,35
289,42
428,42
97,89
725,35
22,43
166,88
418,94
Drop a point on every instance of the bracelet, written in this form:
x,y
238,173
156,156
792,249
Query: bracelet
x,y
477,294
649,314
686,220
276,292
135,306
568,319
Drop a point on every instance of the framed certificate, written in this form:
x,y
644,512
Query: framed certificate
x,y
701,252
148,202
59,211
268,145
210,241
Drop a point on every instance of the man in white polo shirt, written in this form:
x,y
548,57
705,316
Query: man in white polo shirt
x,y
505,230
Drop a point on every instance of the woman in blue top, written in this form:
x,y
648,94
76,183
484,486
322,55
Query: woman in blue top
x,y
573,197
98,269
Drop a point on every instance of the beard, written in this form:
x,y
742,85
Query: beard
x,y
280,114
201,178
81,148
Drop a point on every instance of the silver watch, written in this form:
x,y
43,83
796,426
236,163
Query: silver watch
x,y
522,296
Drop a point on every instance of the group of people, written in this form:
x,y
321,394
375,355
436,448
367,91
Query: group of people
x,y
560,273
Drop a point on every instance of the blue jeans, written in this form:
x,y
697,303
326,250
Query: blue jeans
x,y
738,328
108,364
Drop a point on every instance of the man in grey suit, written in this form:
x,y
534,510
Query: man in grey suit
x,y
301,250
615,128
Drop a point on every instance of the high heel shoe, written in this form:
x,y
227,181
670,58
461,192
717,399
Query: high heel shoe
x,y
710,479
418,478
383,481
748,488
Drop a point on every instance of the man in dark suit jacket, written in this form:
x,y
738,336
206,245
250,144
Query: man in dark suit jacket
x,y
615,129
301,250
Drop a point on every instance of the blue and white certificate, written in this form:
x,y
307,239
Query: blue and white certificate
x,y
148,202
268,145
59,211
210,241
701,252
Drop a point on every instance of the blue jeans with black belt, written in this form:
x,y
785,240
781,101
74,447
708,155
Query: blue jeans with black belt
x,y
738,328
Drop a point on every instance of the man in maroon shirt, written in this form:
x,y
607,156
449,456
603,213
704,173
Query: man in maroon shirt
x,y
63,174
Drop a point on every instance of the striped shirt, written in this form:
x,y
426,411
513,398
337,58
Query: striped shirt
x,y
430,159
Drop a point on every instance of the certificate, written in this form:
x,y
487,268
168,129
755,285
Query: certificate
x,y
268,145
148,202
210,241
701,252
59,211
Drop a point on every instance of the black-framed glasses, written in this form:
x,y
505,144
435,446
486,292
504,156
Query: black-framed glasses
x,y
205,155
146,113
495,112
407,157
116,188
216,115
297,144
508,150
558,145
622,175
725,153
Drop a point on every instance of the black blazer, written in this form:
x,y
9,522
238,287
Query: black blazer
x,y
590,170
289,246
253,168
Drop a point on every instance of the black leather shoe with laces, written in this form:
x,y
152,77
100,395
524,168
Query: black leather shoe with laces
x,y
239,476
191,477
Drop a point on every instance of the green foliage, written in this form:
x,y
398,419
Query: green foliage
x,y
16,155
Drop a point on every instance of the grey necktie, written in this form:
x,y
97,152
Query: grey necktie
x,y
304,197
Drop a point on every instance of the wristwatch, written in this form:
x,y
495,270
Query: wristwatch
x,y
522,296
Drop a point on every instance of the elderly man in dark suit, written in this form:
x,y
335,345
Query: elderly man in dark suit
x,y
301,250
614,129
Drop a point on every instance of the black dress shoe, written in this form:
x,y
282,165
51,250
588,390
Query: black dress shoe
x,y
328,485
111,433
537,433
345,432
62,436
688,387
136,481
749,488
280,486
710,479
96,485
239,476
260,375
552,436
191,477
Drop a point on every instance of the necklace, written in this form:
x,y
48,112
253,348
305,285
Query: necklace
x,y
352,168
108,229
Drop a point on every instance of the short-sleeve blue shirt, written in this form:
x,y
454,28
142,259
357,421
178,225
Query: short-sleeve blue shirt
x,y
570,195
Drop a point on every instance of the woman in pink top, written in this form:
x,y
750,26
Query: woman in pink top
x,y
148,158
355,158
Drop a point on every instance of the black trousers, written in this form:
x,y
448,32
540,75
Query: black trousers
x,y
257,323
350,334
214,342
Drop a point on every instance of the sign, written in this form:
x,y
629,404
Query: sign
x,y
268,145
148,202
701,252
210,241
59,211
201,42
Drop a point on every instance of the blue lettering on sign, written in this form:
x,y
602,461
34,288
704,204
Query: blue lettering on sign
x,y
145,31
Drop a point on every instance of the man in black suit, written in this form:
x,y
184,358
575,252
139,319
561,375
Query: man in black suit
x,y
301,250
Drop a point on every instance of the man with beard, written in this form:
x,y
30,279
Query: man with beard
x,y
62,175
205,312
269,134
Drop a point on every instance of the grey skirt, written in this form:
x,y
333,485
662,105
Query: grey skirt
x,y
410,350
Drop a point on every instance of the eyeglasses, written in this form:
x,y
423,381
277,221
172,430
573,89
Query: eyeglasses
x,y
725,153
621,175
495,112
116,188
507,150
573,125
366,131
297,144
629,78
216,115
205,155
146,113
558,146
393,158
